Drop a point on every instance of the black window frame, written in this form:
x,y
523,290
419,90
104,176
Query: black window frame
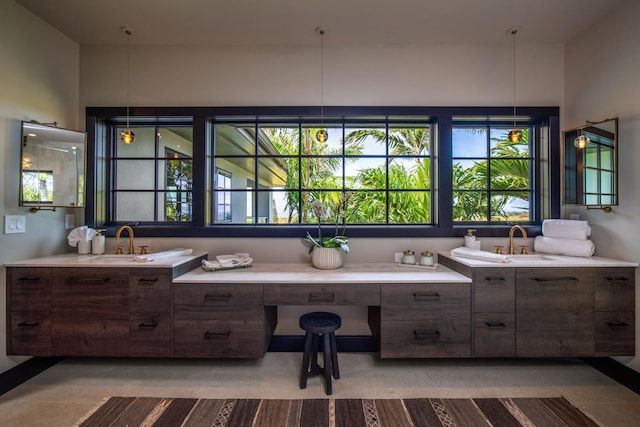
x,y
100,121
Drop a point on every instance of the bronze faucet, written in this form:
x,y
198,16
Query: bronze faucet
x,y
130,230
511,232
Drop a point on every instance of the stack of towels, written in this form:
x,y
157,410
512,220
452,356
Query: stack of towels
x,y
80,234
228,262
565,237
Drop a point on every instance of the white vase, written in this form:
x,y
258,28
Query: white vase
x,y
327,258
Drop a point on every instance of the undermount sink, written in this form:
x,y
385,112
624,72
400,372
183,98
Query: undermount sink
x,y
532,258
108,258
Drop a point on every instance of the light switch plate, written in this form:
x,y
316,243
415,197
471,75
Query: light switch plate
x,y
69,221
15,224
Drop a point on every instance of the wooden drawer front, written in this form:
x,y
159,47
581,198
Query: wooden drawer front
x,y
426,301
494,335
207,295
30,288
90,338
218,338
615,334
494,290
425,339
148,291
30,333
204,312
555,276
91,293
558,343
314,294
615,289
150,334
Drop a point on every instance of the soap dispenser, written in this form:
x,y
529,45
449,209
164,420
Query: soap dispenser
x,y
470,240
97,243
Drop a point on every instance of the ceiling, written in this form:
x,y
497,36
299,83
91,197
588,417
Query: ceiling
x,y
293,22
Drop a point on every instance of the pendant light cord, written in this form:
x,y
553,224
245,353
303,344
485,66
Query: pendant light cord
x,y
128,32
321,31
514,31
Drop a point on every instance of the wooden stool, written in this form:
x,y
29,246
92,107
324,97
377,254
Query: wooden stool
x,y
316,324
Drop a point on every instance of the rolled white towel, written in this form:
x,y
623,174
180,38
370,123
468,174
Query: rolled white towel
x,y
480,255
566,228
164,254
569,247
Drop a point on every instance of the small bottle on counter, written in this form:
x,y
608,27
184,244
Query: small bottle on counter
x,y
97,243
426,259
408,257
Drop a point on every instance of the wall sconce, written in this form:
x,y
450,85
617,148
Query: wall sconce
x,y
127,136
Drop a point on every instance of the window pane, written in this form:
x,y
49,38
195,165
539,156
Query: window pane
x,y
322,173
510,174
278,172
367,207
238,170
502,147
285,207
143,146
367,140
135,206
409,207
469,142
234,140
285,140
367,172
311,145
135,175
470,206
409,173
511,207
409,141
470,175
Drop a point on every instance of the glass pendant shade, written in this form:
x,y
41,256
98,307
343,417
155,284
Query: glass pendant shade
x,y
322,135
581,141
515,135
127,136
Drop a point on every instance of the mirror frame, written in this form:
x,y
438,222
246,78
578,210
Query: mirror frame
x,y
573,177
53,139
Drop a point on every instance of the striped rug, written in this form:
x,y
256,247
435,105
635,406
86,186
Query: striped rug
x,y
157,412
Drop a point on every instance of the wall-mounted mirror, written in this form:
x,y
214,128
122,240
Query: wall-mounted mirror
x,y
52,170
591,165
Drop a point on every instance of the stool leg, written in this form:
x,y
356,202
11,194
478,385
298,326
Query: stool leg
x,y
315,348
326,352
305,360
334,356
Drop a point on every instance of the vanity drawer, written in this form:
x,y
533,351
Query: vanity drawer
x,y
615,334
320,294
150,334
30,288
615,289
494,335
445,301
494,289
89,337
149,291
425,338
30,333
218,338
208,295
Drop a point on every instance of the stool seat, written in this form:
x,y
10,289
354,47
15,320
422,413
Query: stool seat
x,y
316,324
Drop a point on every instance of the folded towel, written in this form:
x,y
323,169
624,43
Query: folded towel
x,y
570,247
164,254
226,262
566,228
82,233
480,255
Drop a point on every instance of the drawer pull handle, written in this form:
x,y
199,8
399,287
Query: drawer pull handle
x,y
322,296
617,324
151,325
217,297
495,325
80,281
426,296
495,279
425,335
216,335
144,279
28,279
28,324
618,279
555,279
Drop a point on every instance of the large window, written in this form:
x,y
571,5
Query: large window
x,y
409,171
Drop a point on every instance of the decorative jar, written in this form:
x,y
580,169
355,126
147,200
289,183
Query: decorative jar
x,y
327,258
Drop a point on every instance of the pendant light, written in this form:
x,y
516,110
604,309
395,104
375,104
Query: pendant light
x,y
321,135
515,135
127,136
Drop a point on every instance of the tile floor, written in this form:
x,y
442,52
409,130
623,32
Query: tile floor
x,y
64,393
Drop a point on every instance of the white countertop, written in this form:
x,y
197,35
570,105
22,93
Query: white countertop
x,y
543,260
305,273
108,260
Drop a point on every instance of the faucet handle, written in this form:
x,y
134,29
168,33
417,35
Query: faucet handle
x,y
143,249
498,249
118,250
523,250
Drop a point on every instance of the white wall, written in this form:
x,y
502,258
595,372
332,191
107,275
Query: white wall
x,y
602,81
39,80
